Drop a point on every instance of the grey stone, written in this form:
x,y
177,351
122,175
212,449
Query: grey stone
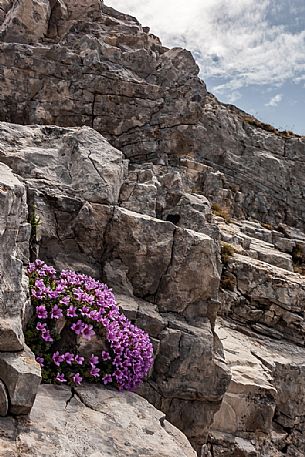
x,y
143,244
266,395
12,220
26,21
95,422
184,288
79,160
21,376
147,228
3,400
147,100
269,296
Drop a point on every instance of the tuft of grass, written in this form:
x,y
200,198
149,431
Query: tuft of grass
x,y
228,281
222,211
269,128
35,221
227,251
298,259
298,256
267,226
299,269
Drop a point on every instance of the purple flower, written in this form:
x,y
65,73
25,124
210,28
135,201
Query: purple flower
x,y
41,312
60,377
79,359
56,312
94,360
107,379
95,372
46,336
39,284
85,310
57,358
88,332
69,358
52,293
65,300
59,289
71,311
41,327
77,327
77,379
94,315
79,294
105,356
40,360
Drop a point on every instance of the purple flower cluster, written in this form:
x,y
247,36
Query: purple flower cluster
x,y
85,307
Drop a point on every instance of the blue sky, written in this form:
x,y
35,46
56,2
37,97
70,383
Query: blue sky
x,y
251,52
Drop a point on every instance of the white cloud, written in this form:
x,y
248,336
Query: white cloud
x,y
232,97
242,41
274,101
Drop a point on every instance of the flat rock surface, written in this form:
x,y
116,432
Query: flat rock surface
x,y
96,422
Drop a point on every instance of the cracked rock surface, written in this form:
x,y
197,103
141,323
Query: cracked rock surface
x,y
155,266
95,422
74,63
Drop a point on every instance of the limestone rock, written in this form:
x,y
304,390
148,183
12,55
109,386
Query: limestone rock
x,y
184,288
97,422
151,228
79,160
269,297
143,313
265,401
26,21
13,240
147,100
148,251
82,227
3,400
21,376
249,402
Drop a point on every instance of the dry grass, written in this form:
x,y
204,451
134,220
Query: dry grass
x,y
269,128
222,211
227,251
298,259
228,281
267,226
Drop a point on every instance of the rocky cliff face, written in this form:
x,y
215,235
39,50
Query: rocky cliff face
x,y
189,209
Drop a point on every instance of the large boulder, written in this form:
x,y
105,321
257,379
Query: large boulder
x,y
21,376
14,240
80,160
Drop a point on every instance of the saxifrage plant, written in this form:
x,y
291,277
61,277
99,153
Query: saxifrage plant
x,y
71,310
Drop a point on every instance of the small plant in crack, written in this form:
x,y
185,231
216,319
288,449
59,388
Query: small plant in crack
x,y
35,221
228,280
227,252
222,211
298,259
